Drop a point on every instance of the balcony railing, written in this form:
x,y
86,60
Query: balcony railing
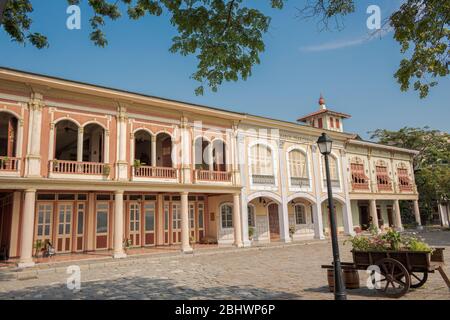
x,y
155,172
9,164
74,167
404,187
207,175
360,185
259,179
300,182
384,186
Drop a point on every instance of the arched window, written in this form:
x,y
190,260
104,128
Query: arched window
x,y
262,164
202,159
164,150
226,214
298,168
219,156
8,135
300,214
143,147
93,143
251,216
66,141
334,171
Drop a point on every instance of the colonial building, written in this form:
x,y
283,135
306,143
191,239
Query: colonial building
x,y
89,168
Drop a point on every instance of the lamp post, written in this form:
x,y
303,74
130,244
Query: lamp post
x,y
325,144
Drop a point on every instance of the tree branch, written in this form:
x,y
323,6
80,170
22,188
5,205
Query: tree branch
x,y
2,9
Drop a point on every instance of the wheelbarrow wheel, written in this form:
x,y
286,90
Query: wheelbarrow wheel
x,y
418,279
395,280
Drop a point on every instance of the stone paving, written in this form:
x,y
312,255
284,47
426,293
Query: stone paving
x,y
287,272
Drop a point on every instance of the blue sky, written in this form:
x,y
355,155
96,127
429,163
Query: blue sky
x,y
354,73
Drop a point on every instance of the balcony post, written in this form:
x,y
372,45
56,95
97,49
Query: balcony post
x,y
185,151
283,217
373,213
26,241
153,151
398,217
122,165
80,144
417,214
35,105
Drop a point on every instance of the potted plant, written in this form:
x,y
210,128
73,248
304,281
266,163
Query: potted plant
x,y
292,231
106,170
137,164
126,244
192,241
251,233
38,245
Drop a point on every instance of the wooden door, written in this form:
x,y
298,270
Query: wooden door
x,y
44,219
200,221
390,214
64,227
192,218
274,222
134,219
176,223
149,223
102,225
11,137
79,227
364,217
167,223
167,153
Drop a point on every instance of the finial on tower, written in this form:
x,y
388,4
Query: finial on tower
x,y
322,102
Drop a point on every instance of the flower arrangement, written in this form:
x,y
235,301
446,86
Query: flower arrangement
x,y
389,241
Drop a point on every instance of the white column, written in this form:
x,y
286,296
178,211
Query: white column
x,y
373,213
80,145
26,241
210,157
185,236
417,214
241,172
118,225
398,217
284,214
237,221
185,151
122,165
35,105
347,214
153,151
317,207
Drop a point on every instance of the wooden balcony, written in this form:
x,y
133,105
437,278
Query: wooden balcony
x,y
213,176
155,172
79,168
384,186
9,164
360,186
406,188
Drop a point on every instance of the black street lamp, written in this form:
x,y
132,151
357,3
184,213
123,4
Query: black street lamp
x,y
325,144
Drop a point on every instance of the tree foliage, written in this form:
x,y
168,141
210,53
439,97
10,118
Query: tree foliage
x,y
431,165
226,36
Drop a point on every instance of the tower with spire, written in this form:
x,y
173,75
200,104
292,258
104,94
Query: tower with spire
x,y
325,118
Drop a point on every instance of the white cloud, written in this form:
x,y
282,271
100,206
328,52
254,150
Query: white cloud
x,y
339,44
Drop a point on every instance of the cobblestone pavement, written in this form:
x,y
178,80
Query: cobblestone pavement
x,y
290,272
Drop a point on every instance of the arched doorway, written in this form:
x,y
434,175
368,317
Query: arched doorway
x,y
274,222
164,150
93,143
66,140
339,211
143,148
